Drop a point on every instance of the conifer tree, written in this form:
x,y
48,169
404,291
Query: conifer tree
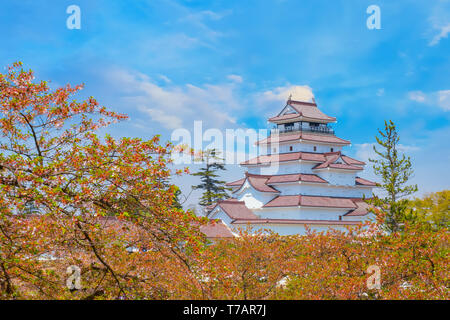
x,y
214,189
395,171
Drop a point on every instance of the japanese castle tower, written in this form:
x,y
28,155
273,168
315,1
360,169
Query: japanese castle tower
x,y
304,179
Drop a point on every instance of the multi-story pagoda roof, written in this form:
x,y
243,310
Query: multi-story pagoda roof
x,y
267,183
306,136
301,111
311,201
324,160
311,186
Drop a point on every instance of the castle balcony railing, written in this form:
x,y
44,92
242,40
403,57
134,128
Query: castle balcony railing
x,y
319,129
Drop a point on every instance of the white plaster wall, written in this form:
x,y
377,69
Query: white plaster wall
x,y
323,190
284,230
253,199
218,213
367,217
253,170
288,168
307,147
302,213
337,177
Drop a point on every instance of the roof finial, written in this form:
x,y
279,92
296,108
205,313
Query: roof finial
x,y
289,99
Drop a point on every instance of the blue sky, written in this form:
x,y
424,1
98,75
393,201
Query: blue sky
x,y
228,63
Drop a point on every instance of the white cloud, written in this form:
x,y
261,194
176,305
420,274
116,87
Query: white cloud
x,y
380,92
167,120
443,33
417,96
439,98
444,99
235,78
365,151
175,106
299,93
198,19
165,78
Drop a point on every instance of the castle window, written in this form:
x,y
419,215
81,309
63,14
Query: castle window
x,y
290,148
340,217
331,149
315,148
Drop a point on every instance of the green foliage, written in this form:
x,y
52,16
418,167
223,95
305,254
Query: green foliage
x,y
395,171
434,209
214,189
176,201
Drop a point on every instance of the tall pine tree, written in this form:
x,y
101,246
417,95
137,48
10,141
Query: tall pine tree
x,y
214,189
395,171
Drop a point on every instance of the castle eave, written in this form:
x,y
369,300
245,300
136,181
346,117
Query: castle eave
x,y
295,221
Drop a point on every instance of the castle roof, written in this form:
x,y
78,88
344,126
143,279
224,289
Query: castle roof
x,y
311,201
362,208
276,179
332,160
303,111
296,221
236,183
235,209
260,183
364,182
326,160
216,229
306,136
301,177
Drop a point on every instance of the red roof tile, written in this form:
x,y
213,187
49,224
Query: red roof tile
x,y
274,179
259,183
285,117
364,182
326,159
286,137
316,157
326,138
362,208
236,209
236,183
332,157
283,157
284,201
305,110
310,201
295,177
216,229
349,160
331,202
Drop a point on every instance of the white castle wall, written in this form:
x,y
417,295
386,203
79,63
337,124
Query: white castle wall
x,y
333,176
337,177
253,199
301,213
368,217
306,147
218,213
322,190
283,168
284,229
